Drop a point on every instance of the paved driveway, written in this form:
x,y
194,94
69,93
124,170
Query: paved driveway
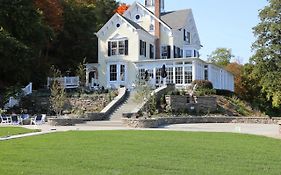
x,y
256,129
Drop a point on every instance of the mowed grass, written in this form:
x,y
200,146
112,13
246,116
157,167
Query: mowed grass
x,y
9,131
140,152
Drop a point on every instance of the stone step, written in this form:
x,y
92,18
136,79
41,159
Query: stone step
x,y
102,124
128,106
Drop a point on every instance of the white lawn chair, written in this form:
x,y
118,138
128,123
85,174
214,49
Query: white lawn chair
x,y
38,119
5,119
16,120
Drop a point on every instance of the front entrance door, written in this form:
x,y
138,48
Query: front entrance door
x,y
117,75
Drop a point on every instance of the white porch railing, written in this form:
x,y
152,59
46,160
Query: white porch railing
x,y
11,103
67,82
14,101
27,90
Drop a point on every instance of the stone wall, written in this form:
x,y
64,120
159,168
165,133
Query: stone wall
x,y
94,116
65,121
88,103
156,122
205,104
159,92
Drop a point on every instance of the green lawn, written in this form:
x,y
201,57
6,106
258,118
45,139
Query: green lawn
x,y
8,131
140,152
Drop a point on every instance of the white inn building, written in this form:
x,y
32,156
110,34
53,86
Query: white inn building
x,y
144,39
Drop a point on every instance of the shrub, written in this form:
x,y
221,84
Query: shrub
x,y
204,92
224,92
202,84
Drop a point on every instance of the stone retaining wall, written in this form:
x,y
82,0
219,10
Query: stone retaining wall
x,y
205,104
104,114
155,123
65,121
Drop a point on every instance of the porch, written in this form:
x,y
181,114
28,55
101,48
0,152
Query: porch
x,y
67,82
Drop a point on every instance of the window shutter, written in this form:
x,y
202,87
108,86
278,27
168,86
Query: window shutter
x,y
175,53
169,51
145,49
109,48
151,55
184,35
140,47
126,47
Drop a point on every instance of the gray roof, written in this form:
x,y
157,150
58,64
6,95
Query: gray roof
x,y
176,19
135,25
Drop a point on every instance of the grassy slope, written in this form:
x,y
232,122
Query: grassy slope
x,y
8,131
140,152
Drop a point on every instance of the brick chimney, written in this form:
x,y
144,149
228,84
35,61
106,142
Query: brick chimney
x,y
157,28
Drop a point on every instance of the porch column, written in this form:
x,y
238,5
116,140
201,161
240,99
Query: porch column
x,y
87,77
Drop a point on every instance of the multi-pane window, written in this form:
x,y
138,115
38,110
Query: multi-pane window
x,y
179,75
121,45
158,76
164,53
114,48
113,72
188,74
122,72
142,73
143,48
170,77
206,76
118,47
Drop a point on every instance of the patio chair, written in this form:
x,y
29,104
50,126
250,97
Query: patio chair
x,y
5,119
16,120
38,119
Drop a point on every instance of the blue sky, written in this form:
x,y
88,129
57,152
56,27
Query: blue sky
x,y
222,23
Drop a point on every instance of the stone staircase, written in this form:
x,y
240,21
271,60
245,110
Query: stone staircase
x,y
115,119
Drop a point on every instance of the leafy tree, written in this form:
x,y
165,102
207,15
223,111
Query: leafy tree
x,y
23,36
52,11
253,92
58,94
81,72
15,59
221,56
237,70
122,8
267,57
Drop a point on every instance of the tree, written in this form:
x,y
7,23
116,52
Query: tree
x,y
53,13
237,70
23,38
58,94
254,94
267,57
221,56
122,8
81,72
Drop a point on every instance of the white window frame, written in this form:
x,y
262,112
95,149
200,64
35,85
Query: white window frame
x,y
115,51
